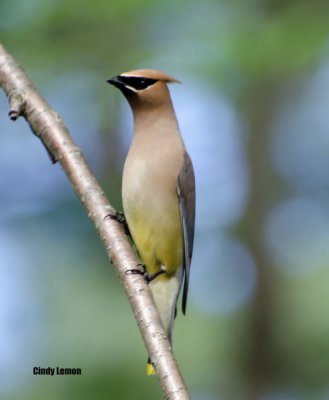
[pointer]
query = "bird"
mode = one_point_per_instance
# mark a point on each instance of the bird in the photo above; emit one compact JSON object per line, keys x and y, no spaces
{"x":158,"y":191}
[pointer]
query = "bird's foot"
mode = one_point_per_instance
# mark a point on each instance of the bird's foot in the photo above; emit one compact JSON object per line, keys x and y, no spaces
{"x":148,"y":277}
{"x":120,"y":217}
{"x":136,"y":271}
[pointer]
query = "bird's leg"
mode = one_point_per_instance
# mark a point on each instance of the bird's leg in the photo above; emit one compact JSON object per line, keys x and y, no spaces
{"x":120,"y":217}
{"x":148,"y":277}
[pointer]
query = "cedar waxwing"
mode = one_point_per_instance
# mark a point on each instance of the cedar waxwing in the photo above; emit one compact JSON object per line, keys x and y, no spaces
{"x":158,"y":191}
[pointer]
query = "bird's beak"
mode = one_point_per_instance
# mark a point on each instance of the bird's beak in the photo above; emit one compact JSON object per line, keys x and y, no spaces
{"x":116,"y":81}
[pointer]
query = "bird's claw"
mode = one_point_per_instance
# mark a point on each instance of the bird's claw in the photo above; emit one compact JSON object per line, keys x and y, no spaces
{"x":119,"y":217}
{"x":148,"y":277}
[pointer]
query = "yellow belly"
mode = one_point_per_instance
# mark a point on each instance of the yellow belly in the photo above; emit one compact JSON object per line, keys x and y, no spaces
{"x":157,"y":235}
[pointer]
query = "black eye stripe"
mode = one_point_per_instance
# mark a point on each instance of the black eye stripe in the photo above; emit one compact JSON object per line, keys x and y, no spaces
{"x":137,"y":82}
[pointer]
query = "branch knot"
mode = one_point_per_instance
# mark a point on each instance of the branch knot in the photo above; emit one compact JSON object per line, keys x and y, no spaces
{"x":17,"y":105}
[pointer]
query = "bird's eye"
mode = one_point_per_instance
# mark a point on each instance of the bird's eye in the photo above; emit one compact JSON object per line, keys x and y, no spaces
{"x":144,"y":83}
{"x":137,"y":82}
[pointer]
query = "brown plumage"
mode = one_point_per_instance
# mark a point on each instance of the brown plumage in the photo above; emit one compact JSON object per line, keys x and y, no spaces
{"x":158,"y":189}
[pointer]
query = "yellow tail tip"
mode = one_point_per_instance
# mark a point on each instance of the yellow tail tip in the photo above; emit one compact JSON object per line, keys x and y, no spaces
{"x":150,"y":369}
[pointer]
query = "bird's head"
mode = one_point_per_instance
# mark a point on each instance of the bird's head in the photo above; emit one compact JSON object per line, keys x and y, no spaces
{"x":144,"y":87}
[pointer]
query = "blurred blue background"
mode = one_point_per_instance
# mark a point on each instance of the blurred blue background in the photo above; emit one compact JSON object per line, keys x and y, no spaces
{"x":253,"y":110}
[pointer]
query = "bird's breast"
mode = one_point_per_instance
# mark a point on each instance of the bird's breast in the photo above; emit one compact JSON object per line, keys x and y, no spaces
{"x":151,"y":205}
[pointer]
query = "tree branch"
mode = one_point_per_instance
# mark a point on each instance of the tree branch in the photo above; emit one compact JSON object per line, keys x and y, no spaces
{"x":48,"y":126}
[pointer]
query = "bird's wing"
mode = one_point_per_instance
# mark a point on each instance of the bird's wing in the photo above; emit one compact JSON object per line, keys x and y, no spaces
{"x":186,"y":196}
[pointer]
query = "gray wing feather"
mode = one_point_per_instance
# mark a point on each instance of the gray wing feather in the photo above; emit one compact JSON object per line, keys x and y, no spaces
{"x":186,"y":196}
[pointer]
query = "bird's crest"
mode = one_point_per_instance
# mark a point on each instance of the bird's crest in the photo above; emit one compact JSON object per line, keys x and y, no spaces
{"x":150,"y":74}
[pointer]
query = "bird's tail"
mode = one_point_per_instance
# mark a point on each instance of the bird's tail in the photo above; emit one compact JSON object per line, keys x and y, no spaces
{"x":165,"y":290}
{"x":149,"y":368}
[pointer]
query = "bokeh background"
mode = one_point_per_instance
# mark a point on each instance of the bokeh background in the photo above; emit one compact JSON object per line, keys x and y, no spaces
{"x":254,"y":113}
